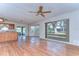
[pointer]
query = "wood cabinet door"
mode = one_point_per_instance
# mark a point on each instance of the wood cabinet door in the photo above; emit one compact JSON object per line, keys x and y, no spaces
{"x":11,"y":26}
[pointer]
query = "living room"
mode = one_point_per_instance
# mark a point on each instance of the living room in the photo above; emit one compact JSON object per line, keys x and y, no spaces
{"x":39,"y":29}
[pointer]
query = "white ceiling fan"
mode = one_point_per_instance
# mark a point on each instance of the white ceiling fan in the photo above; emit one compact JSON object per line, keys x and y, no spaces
{"x":40,"y":11}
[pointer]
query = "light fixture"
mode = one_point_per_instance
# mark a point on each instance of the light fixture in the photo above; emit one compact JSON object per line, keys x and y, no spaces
{"x":1,"y":20}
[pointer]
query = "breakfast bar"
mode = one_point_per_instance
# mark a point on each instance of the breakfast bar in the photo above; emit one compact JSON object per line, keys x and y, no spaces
{"x":8,"y":36}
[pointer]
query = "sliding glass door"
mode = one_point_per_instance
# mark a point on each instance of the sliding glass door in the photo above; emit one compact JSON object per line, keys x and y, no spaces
{"x":21,"y":30}
{"x":34,"y":30}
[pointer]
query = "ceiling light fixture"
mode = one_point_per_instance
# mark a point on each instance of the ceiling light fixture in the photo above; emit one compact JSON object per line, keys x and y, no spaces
{"x":1,"y":20}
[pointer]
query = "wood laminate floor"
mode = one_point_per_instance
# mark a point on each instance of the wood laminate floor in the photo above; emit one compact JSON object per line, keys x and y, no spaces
{"x":33,"y":46}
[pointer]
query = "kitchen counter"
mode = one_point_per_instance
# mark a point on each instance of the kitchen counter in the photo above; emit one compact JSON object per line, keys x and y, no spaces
{"x":8,"y":36}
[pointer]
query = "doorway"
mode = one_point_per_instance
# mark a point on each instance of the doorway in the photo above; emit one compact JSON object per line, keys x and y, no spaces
{"x":22,"y":33}
{"x":21,"y":30}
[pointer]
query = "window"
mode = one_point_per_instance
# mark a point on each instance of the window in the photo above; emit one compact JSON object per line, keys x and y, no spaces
{"x":57,"y":29}
{"x":34,"y":31}
{"x":34,"y":28}
{"x":50,"y":28}
{"x":4,"y":27}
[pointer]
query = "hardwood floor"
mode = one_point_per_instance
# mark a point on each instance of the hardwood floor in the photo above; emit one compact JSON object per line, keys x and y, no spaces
{"x":36,"y":47}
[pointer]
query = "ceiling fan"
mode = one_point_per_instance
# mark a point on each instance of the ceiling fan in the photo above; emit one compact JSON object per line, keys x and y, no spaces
{"x":40,"y":11}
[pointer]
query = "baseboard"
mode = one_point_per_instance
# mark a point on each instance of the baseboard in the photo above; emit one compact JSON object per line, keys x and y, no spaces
{"x":32,"y":36}
{"x":60,"y":41}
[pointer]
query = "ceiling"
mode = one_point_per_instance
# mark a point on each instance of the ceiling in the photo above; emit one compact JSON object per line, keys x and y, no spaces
{"x":19,"y":12}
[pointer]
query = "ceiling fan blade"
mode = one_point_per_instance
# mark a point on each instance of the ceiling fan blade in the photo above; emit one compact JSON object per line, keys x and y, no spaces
{"x":47,"y":12}
{"x":42,"y":15}
{"x":32,"y":12}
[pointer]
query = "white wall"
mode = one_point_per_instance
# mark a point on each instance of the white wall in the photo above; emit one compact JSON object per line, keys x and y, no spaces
{"x":73,"y":26}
